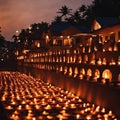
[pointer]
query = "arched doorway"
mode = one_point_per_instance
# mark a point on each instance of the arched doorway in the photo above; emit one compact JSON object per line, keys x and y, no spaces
{"x":96,"y":75}
{"x":89,"y":74}
{"x":70,"y":71}
{"x":106,"y":76}
{"x":75,"y":72}
{"x":65,"y":70}
{"x":82,"y":73}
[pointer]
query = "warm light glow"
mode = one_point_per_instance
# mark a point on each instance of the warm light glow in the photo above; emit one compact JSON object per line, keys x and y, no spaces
{"x":99,"y":62}
{"x":104,"y":61}
{"x":75,"y":72}
{"x":79,"y":59}
{"x":61,"y":36}
{"x":41,"y":100}
{"x":112,"y":62}
{"x":89,"y":73}
{"x":118,"y":60}
{"x":115,"y":48}
{"x":103,"y":110}
{"x":20,"y":58}
{"x":85,"y":59}
{"x":54,"y":42}
{"x":78,"y":116}
{"x":88,"y":117}
{"x":92,"y":60}
{"x":96,"y":75}
{"x":61,"y":69}
{"x":47,"y":37}
{"x":17,"y":31}
{"x":38,"y":45}
{"x":96,"y":25}
{"x":65,"y":70}
{"x":25,"y":51}
{"x":110,"y":49}
{"x":9,"y":107}
{"x":17,"y":52}
{"x":70,"y":71}
{"x":107,"y":75}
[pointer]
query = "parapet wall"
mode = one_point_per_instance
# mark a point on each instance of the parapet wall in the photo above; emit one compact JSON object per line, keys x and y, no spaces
{"x":97,"y":93}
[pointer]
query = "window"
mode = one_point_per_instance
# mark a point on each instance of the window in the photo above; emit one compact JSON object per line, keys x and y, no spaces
{"x":112,"y":37}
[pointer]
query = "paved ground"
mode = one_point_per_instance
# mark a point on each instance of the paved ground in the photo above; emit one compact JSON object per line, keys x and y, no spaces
{"x":23,"y":97}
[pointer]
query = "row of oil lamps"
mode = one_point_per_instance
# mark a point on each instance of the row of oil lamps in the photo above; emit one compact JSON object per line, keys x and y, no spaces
{"x":26,"y":98}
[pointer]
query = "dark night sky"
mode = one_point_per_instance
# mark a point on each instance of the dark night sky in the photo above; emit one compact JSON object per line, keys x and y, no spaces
{"x":19,"y":14}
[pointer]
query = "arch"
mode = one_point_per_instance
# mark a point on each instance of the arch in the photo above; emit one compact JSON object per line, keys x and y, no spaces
{"x":85,"y":58}
{"x":88,"y":74}
{"x":112,"y":61}
{"x":64,"y":59}
{"x":104,"y":62}
{"x":54,"y":59}
{"x":61,"y":59}
{"x":57,"y":68}
{"x":57,"y":59}
{"x":79,"y":59}
{"x":75,"y":71}
{"x":65,"y":69}
{"x":115,"y":47}
{"x":106,"y":76}
{"x":70,"y":71}
{"x":82,"y":73}
{"x":92,"y":59}
{"x":96,"y":75}
{"x":74,"y":58}
{"x":61,"y":68}
{"x":68,"y":59}
{"x":83,"y":49}
{"x":99,"y":62}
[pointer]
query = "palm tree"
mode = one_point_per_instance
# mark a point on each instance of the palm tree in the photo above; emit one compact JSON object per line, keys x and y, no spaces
{"x":15,"y":41}
{"x":82,"y":11}
{"x":64,"y":11}
{"x":57,"y":19}
{"x":89,"y":15}
{"x":76,"y":16}
{"x":2,"y":41}
{"x":82,"y":8}
{"x":38,"y":30}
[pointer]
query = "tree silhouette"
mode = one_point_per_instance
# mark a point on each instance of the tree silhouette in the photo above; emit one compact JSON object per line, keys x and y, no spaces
{"x":37,"y":30}
{"x":27,"y":36}
{"x":2,"y":41}
{"x":15,"y":41}
{"x":102,"y":8}
{"x":82,"y":8}
{"x":106,"y":8}
{"x":84,"y":16}
{"x":57,"y":19}
{"x":64,"y":10}
{"x":6,"y":50}
{"x":75,"y":18}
